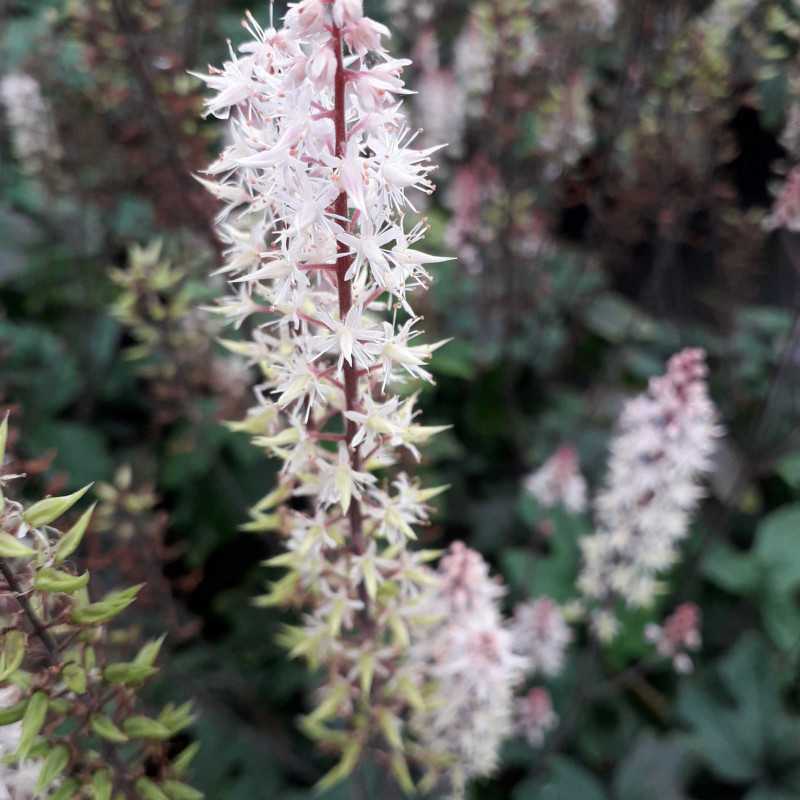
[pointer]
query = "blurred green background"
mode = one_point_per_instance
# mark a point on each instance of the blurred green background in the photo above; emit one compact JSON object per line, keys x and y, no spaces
{"x":609,"y":190}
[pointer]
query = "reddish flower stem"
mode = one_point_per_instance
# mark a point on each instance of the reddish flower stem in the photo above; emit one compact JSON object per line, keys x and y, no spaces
{"x":344,"y":286}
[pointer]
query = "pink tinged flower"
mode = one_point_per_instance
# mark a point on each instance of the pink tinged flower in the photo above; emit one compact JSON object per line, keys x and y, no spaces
{"x":678,"y":636}
{"x":535,"y":716}
{"x":541,"y":635}
{"x":364,"y":35}
{"x":559,"y":481}
{"x":663,"y":448}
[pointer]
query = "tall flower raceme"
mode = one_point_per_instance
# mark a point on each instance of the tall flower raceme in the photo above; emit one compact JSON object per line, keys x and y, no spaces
{"x":324,"y":264}
{"x":663,"y":448}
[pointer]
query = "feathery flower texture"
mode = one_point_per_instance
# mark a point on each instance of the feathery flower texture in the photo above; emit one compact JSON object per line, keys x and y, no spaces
{"x":559,"y":481}
{"x":471,"y":653}
{"x":664,"y":446}
{"x":316,"y":182}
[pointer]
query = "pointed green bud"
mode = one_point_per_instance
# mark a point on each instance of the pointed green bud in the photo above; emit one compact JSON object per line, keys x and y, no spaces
{"x":390,"y":727}
{"x":75,"y":678}
{"x":112,"y":604}
{"x":51,"y":508}
{"x":147,"y":790}
{"x":67,"y":791}
{"x":3,"y":437}
{"x":11,"y":714}
{"x":32,"y":723}
{"x":149,"y":653}
{"x":141,"y":727}
{"x":11,"y":547}
{"x":55,"y":580}
{"x":401,"y":773}
{"x":181,"y":764}
{"x":69,"y":542}
{"x":180,"y":791}
{"x":128,"y":673}
{"x":12,"y":653}
{"x":55,"y":763}
{"x":345,"y":766}
{"x":101,"y":785}
{"x":105,"y":728}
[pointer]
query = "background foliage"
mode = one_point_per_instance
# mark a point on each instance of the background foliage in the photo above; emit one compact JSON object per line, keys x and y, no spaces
{"x":654,"y":240}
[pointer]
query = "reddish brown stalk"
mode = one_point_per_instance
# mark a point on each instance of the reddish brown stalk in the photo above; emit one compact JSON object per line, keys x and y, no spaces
{"x":344,"y":286}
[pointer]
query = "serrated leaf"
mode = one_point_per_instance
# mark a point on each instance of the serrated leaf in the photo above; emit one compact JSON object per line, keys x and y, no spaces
{"x":70,"y":541}
{"x":51,"y":508}
{"x":11,"y":547}
{"x":55,"y":763}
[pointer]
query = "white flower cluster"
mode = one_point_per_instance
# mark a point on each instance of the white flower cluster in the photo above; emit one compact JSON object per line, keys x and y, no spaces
{"x":663,"y":447}
{"x":541,"y":635}
{"x":559,"y":481}
{"x":30,"y":121}
{"x":535,"y":716}
{"x":324,"y":264}
{"x":469,"y":654}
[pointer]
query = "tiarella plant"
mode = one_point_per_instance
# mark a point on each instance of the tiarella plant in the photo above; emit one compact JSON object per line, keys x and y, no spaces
{"x":70,"y":718}
{"x":317,"y":183}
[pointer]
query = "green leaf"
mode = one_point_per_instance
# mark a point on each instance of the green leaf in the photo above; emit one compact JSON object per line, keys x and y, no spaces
{"x":653,"y":761}
{"x":32,"y":723}
{"x":55,"y":763}
{"x":346,"y":765}
{"x":731,"y":570}
{"x":148,"y":790}
{"x":12,"y":654}
{"x":54,"y":580}
{"x":184,"y":759}
{"x":12,"y":714}
{"x":105,"y":728}
{"x":109,"y":607}
{"x":101,"y":785}
{"x":3,"y":437}
{"x":70,"y":541}
{"x":566,"y":780}
{"x":11,"y":547}
{"x":75,"y":678}
{"x":738,"y":738}
{"x":128,"y":673}
{"x":141,"y":727}
{"x":51,"y":508}
{"x":180,"y":791}
{"x":149,"y":653}
{"x":67,"y":791}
